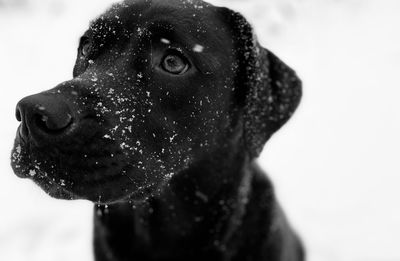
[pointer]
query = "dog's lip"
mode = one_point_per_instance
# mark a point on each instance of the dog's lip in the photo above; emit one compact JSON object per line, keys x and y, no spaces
{"x":67,"y":184}
{"x":100,"y":191}
{"x":25,"y":166}
{"x":89,"y":175}
{"x":98,"y":181}
{"x":53,"y":188}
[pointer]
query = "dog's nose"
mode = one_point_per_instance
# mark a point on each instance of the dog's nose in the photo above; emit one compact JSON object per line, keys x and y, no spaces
{"x":42,"y":117}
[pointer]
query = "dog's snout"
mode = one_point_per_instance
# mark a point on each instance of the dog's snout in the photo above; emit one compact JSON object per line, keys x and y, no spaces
{"x":43,"y":117}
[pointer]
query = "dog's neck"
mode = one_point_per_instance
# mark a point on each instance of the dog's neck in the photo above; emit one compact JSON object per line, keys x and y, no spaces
{"x":205,"y":201}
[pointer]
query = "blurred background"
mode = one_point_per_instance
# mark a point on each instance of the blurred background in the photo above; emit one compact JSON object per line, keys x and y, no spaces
{"x":335,"y":165}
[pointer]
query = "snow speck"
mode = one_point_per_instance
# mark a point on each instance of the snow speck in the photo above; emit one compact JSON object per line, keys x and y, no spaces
{"x":169,"y":175}
{"x":201,"y":196}
{"x":198,"y":48}
{"x":172,"y":137}
{"x":18,"y":149}
{"x":165,"y":41}
{"x":32,"y":172}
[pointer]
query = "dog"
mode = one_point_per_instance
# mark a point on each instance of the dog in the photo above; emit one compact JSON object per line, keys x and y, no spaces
{"x":169,"y":106}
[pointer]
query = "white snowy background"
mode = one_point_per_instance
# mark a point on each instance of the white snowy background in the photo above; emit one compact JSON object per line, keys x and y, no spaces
{"x":335,"y":165}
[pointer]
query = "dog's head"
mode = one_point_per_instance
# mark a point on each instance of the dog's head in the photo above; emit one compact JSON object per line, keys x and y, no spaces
{"x":157,"y":86}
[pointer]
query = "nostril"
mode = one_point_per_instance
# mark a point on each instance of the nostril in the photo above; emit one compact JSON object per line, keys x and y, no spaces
{"x":18,"y":114}
{"x":40,"y":122}
{"x":23,"y":129}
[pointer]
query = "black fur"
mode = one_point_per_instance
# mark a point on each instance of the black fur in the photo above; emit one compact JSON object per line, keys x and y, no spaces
{"x":170,"y":104}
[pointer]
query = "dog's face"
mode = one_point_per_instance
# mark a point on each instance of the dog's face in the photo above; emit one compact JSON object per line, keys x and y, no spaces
{"x":156,"y":88}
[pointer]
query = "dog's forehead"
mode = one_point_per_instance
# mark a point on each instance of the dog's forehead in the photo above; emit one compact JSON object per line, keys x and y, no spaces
{"x":191,"y":17}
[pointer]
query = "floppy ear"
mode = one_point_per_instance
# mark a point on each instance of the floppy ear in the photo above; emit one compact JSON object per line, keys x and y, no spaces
{"x":268,"y":89}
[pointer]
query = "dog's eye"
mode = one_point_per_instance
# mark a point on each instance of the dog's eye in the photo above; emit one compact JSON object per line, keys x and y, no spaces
{"x":86,"y":47}
{"x":175,"y":64}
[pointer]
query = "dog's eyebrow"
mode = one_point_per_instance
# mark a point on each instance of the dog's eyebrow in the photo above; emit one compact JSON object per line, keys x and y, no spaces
{"x":171,"y":33}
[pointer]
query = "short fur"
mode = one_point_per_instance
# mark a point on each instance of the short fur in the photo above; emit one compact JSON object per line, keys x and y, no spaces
{"x":168,"y":159}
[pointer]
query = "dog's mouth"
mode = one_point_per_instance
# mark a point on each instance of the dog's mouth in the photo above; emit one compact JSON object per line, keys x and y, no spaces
{"x":97,"y":171}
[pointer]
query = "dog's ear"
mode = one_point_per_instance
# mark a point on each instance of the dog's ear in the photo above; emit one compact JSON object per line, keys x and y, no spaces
{"x":268,"y":90}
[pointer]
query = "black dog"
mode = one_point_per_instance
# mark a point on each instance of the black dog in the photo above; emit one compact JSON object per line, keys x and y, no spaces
{"x":170,"y":104}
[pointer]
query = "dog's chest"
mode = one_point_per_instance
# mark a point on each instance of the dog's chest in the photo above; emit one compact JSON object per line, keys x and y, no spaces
{"x":169,"y":236}
{"x":158,"y":241}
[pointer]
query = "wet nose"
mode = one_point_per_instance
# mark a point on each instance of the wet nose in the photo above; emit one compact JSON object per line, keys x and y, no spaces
{"x":43,"y":117}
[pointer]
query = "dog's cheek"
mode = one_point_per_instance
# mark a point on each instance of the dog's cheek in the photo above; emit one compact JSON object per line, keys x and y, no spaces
{"x":147,"y":134}
{"x":213,"y":105}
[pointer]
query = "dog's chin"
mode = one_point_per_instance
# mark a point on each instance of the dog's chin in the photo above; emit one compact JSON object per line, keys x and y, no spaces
{"x":119,"y":188}
{"x":97,"y":193}
{"x":102,"y":185}
{"x":55,"y":190}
